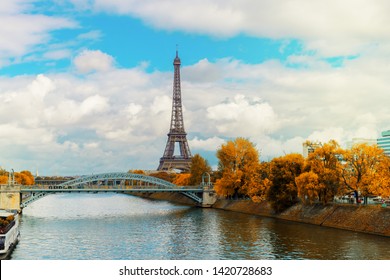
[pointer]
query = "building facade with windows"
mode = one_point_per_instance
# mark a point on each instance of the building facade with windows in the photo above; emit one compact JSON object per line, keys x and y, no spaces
{"x":384,"y":142}
{"x":367,"y":141}
{"x":309,"y":147}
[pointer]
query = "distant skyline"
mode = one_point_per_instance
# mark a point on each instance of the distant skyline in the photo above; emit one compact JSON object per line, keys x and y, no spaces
{"x":86,"y":85}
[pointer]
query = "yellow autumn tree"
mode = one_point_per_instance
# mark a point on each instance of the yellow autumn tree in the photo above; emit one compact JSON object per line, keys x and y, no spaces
{"x":364,"y":166}
{"x":24,"y":178}
{"x":3,"y":179}
{"x":170,"y":177}
{"x":239,"y":168}
{"x":308,"y":186}
{"x":283,"y":189}
{"x":137,"y":171}
{"x":28,"y":177}
{"x":3,"y":176}
{"x":182,"y":179}
{"x":325,"y":163}
{"x":261,"y":183}
{"x":199,"y":166}
{"x":380,"y":185}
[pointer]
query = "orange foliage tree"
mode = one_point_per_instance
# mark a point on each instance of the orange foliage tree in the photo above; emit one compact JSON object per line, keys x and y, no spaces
{"x":3,"y":176}
{"x":323,"y":168}
{"x":198,"y":167}
{"x":239,"y":168}
{"x":283,"y":189}
{"x":363,"y":170}
{"x":182,"y":179}
{"x":24,"y":177}
{"x":259,"y":189}
{"x":309,"y":187}
{"x":164,"y":176}
{"x":137,"y":171}
{"x":380,"y":183}
{"x":3,"y":179}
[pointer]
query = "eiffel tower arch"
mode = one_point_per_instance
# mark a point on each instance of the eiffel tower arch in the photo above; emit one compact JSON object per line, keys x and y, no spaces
{"x":177,"y":134}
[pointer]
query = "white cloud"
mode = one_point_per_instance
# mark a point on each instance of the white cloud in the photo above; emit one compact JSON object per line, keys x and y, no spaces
{"x":58,"y":54}
{"x":243,"y":117}
{"x":91,"y":145}
{"x":94,"y":35}
{"x":21,"y":31}
{"x":118,"y":119}
{"x":203,"y":71}
{"x":161,"y":104}
{"x":332,"y":28}
{"x":209,"y":144}
{"x":94,"y":104}
{"x":332,"y":133}
{"x":270,"y":147}
{"x":13,"y":7}
{"x":89,"y":61}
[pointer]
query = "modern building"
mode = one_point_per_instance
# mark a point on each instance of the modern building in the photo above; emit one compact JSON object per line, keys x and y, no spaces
{"x":370,"y":142}
{"x":384,"y":142}
{"x":309,"y":147}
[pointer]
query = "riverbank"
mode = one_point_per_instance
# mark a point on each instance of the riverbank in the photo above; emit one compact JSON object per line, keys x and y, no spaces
{"x":367,"y":219}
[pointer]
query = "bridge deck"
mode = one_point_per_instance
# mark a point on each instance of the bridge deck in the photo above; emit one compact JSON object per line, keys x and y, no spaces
{"x":111,"y":190}
{"x":119,"y":182}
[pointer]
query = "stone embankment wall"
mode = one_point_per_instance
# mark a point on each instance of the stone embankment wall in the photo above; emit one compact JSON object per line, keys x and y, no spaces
{"x":367,"y":219}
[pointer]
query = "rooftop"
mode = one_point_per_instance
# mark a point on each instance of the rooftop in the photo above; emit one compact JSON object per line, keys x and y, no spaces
{"x":386,"y":133}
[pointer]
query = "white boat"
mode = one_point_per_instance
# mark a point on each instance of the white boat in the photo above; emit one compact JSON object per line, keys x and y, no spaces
{"x":9,"y":232}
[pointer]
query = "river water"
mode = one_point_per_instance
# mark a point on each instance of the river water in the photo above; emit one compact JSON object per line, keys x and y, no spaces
{"x":118,"y":226}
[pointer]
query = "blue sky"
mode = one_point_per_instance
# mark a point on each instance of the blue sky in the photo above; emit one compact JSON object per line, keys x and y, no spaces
{"x":131,"y":43}
{"x":86,"y":85}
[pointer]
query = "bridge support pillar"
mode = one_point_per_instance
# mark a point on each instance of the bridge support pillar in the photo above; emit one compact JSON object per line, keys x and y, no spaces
{"x":10,"y":197}
{"x":209,"y":198}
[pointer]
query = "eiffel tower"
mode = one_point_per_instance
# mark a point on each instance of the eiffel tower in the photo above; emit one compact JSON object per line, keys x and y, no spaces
{"x":176,"y":133}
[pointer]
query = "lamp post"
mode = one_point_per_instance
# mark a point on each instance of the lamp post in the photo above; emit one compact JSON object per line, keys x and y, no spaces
{"x":204,"y":184}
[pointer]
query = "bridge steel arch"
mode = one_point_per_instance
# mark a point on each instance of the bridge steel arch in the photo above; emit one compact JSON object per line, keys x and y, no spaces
{"x":119,"y":176}
{"x":150,"y":184}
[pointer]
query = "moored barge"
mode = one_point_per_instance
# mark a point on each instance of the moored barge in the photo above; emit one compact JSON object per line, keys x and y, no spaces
{"x":9,"y":232}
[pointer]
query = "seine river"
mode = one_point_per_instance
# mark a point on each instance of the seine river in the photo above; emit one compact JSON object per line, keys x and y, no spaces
{"x":118,"y":226}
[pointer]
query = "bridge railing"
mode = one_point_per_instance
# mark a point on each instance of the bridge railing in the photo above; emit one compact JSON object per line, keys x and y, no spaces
{"x":115,"y":182}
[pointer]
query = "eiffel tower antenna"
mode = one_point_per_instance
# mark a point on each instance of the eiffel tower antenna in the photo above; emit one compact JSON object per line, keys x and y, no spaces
{"x":176,"y":133}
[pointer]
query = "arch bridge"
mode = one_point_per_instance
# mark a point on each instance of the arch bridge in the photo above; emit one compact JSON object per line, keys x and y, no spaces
{"x":118,"y":182}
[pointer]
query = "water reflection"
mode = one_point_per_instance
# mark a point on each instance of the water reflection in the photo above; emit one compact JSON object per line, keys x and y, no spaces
{"x":114,"y":226}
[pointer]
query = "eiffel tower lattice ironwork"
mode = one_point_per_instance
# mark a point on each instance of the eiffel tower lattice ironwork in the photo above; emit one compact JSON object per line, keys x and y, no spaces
{"x":176,"y":133}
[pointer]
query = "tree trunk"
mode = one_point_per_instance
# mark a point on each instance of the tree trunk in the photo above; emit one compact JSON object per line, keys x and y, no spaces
{"x":355,"y":193}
